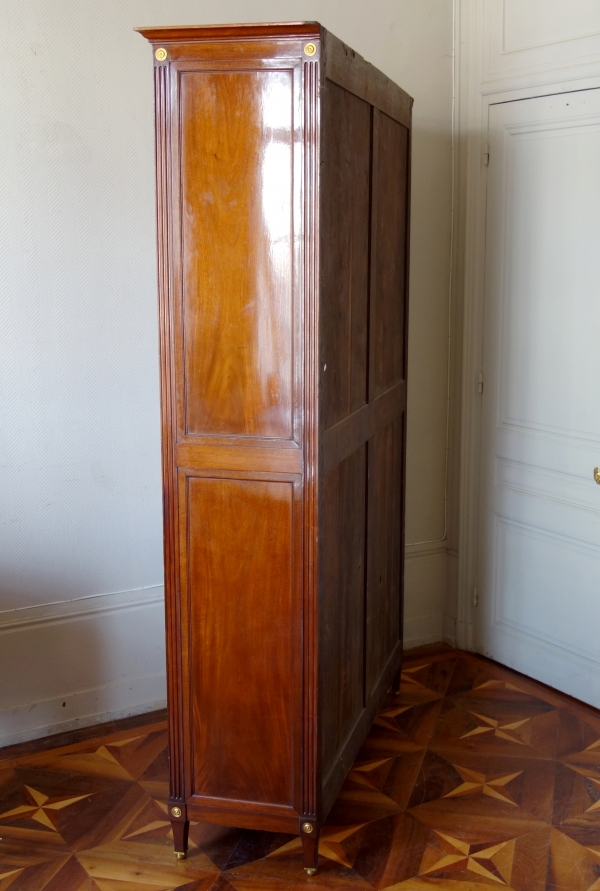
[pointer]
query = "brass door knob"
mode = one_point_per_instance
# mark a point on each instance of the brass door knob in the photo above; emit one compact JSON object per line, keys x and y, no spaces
{"x":597,"y":474}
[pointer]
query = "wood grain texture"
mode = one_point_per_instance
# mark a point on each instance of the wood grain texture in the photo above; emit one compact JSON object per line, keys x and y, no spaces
{"x":345,"y":217}
{"x":345,"y":67}
{"x":192,"y":33}
{"x":311,"y":792}
{"x":342,"y":619}
{"x":389,"y":253}
{"x":211,"y":457}
{"x":472,"y":777}
{"x":244,"y":638}
{"x":168,"y":389}
{"x":364,"y":304}
{"x":236,"y":149}
{"x":253,"y":815}
{"x":384,"y":562}
{"x":283,"y":188}
{"x":336,"y":772}
{"x":352,"y":431}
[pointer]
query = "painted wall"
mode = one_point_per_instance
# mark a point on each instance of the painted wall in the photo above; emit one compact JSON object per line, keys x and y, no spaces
{"x":81,"y":627}
{"x":506,"y":50}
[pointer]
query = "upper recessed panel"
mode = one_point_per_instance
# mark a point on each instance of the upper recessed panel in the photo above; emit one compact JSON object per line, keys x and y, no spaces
{"x":236,"y":191}
{"x":346,"y":172}
{"x":388,"y":255}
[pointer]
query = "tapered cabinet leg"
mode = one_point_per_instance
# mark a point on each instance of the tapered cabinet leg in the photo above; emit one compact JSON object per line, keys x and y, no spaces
{"x":310,"y":846}
{"x":181,"y":829}
{"x":397,"y":681}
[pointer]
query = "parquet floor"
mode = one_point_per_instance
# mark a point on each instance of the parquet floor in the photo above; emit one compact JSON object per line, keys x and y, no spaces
{"x":471,"y":778}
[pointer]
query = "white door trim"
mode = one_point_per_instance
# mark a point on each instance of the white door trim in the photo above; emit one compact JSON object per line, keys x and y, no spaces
{"x":479,"y":84}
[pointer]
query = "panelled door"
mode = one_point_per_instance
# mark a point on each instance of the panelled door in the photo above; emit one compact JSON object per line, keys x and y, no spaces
{"x":539,"y":557}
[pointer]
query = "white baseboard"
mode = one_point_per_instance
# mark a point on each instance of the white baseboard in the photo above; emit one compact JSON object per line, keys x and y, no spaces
{"x":419,"y":630}
{"x":424,"y":593}
{"x":132,"y":697}
{"x":80,"y":662}
{"x":449,"y":630}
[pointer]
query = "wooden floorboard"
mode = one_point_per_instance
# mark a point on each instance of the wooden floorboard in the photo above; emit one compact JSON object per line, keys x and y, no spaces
{"x":472,"y":777}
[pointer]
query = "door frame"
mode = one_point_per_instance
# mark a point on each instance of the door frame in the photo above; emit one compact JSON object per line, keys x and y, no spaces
{"x":483,"y":76}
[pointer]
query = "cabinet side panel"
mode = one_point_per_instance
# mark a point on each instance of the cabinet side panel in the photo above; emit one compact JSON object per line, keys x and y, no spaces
{"x":384,"y":569}
{"x":244,"y":638}
{"x":389,"y":255}
{"x":236,"y":217}
{"x":343,"y":603}
{"x":346,"y":163}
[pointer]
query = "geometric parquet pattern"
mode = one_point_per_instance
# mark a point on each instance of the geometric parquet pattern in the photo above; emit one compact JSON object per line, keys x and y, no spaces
{"x":472,"y":778}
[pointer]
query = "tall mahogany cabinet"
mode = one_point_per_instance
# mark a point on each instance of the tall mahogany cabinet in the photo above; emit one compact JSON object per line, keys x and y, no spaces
{"x":283,"y":170}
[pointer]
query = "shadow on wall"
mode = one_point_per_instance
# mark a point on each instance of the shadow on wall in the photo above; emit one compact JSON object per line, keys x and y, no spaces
{"x":430,"y":612}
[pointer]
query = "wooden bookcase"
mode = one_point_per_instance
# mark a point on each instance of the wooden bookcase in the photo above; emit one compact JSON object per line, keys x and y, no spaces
{"x":283,"y":176}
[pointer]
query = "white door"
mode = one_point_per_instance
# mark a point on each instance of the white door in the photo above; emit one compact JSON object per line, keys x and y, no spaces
{"x":539,"y":556}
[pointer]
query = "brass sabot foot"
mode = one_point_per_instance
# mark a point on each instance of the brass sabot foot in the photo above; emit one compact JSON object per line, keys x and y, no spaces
{"x":180,"y":855}
{"x":310,"y":871}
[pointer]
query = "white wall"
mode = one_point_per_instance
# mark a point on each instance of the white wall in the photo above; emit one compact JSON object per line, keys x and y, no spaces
{"x":81,"y":633}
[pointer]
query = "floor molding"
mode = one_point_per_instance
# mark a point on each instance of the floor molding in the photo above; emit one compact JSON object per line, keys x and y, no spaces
{"x":82,"y":733}
{"x":74,"y":663}
{"x":419,"y":630}
{"x":424,"y":549}
{"x":132,"y":696}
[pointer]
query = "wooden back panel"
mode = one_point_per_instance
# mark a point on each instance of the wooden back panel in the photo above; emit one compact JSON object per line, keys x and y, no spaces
{"x":364,"y":265}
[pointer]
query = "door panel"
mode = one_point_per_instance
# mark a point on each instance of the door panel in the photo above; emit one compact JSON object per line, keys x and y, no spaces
{"x":244,"y":637}
{"x":540,"y":509}
{"x":236,"y":150}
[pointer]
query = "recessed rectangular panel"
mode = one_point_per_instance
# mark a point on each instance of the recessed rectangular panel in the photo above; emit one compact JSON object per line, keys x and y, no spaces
{"x":342,"y":606}
{"x":236,"y":217}
{"x":531,"y":596}
{"x":384,"y":565}
{"x":557,"y":516}
{"x":552,"y":268}
{"x":244,"y":638}
{"x":544,"y":22}
{"x":388,"y":257}
{"x":346,"y":173}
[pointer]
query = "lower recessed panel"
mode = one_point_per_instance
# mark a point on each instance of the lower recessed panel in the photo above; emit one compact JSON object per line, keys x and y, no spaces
{"x":244,"y":638}
{"x":342,"y":603}
{"x":384,"y":562}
